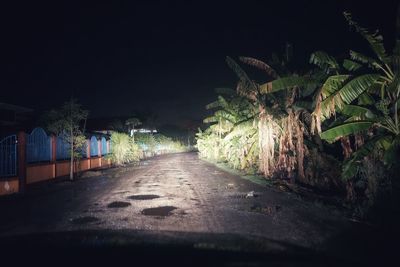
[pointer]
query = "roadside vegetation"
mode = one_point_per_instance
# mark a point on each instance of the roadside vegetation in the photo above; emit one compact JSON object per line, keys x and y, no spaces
{"x":66,"y":122}
{"x":127,"y":148}
{"x":333,"y":127}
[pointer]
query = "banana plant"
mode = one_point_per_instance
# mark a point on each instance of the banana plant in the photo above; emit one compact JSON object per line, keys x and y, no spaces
{"x":231,"y":136}
{"x":280,"y":131}
{"x":368,"y":97}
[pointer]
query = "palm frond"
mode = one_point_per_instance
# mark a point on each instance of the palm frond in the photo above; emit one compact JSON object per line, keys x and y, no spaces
{"x":260,"y":65}
{"x":375,"y":40}
{"x":246,"y":83}
{"x":335,"y":96}
{"x":365,"y":99}
{"x":324,"y":61}
{"x":357,"y":111}
{"x":213,"y":105}
{"x":351,"y":165}
{"x":351,"y":65}
{"x":285,"y":83}
{"x":354,"y":88}
{"x":345,"y":129}
{"x":371,"y":63}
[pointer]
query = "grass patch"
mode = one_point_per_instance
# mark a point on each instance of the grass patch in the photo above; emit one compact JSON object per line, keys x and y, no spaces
{"x":257,"y":179}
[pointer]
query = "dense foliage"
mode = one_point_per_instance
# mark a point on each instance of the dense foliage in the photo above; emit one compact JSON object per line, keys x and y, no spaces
{"x":66,"y":122}
{"x":124,"y":149}
{"x":128,"y":149}
{"x":290,"y":126}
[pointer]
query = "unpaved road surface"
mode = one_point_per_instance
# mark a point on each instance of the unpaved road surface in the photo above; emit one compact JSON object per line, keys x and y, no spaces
{"x":179,"y":196}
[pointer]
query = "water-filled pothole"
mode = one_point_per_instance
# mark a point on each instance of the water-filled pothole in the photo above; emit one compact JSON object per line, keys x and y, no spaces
{"x":84,"y":220}
{"x":143,"y":197}
{"x":159,"y":211}
{"x":118,"y":204}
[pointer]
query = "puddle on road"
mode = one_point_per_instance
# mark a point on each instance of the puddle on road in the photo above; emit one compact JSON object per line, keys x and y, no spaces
{"x":84,"y":220}
{"x":118,"y":204}
{"x":162,"y":211}
{"x":143,"y":197}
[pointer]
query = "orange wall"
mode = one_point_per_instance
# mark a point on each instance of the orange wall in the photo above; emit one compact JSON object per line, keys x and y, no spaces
{"x":105,"y":162}
{"x":41,"y":172}
{"x":62,"y":168}
{"x":9,"y":186}
{"x":95,"y":162}
{"x":37,"y":173}
{"x":84,"y":165}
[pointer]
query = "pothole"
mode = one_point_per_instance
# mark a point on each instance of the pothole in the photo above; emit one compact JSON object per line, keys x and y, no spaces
{"x":143,"y":197}
{"x":118,"y":204}
{"x":162,"y":211}
{"x":245,"y":195}
{"x":84,"y":220}
{"x":269,"y":210}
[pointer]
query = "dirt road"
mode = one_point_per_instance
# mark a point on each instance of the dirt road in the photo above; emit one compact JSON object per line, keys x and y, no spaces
{"x":176,"y":194}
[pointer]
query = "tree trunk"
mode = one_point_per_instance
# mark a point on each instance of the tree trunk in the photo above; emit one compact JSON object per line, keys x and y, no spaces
{"x":71,"y":167}
{"x":347,"y":151}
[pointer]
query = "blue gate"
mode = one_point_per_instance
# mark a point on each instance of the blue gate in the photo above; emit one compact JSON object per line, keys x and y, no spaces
{"x":94,"y":148}
{"x":63,"y":150}
{"x":103,"y":146}
{"x":38,"y":146}
{"x":8,"y":156}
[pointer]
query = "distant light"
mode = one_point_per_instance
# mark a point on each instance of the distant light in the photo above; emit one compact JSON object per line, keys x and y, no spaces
{"x":144,"y":131}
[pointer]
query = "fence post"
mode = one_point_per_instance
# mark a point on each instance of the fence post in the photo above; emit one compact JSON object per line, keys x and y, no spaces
{"x":53,"y":145}
{"x":21,"y":145}
{"x":88,"y":153}
{"x":99,"y":151}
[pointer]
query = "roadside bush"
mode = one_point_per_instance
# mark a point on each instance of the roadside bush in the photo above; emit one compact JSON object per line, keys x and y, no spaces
{"x":165,"y":145}
{"x":158,"y":144}
{"x":124,"y":150}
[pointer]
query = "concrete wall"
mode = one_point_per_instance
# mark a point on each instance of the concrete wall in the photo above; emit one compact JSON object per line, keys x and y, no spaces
{"x":62,"y":168}
{"x":47,"y":171}
{"x":95,"y":162}
{"x":9,"y":186}
{"x":37,"y":172}
{"x":84,"y":165}
{"x":105,"y":162}
{"x":40,"y":172}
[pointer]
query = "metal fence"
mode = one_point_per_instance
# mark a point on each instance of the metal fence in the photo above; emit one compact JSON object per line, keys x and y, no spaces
{"x":38,"y":146}
{"x":8,"y":156}
{"x":39,"y":149}
{"x":103,"y":146}
{"x":62,"y":148}
{"x":94,"y":149}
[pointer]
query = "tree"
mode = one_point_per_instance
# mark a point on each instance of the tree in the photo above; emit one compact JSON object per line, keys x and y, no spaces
{"x":118,"y":126}
{"x":369,"y":100}
{"x":132,"y":123}
{"x":66,"y":122}
{"x":277,"y":117}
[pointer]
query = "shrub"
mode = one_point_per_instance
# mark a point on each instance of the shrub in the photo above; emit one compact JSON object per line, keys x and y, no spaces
{"x":124,"y":150}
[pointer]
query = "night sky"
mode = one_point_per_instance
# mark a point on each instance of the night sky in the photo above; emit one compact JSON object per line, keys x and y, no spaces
{"x":165,"y":58}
